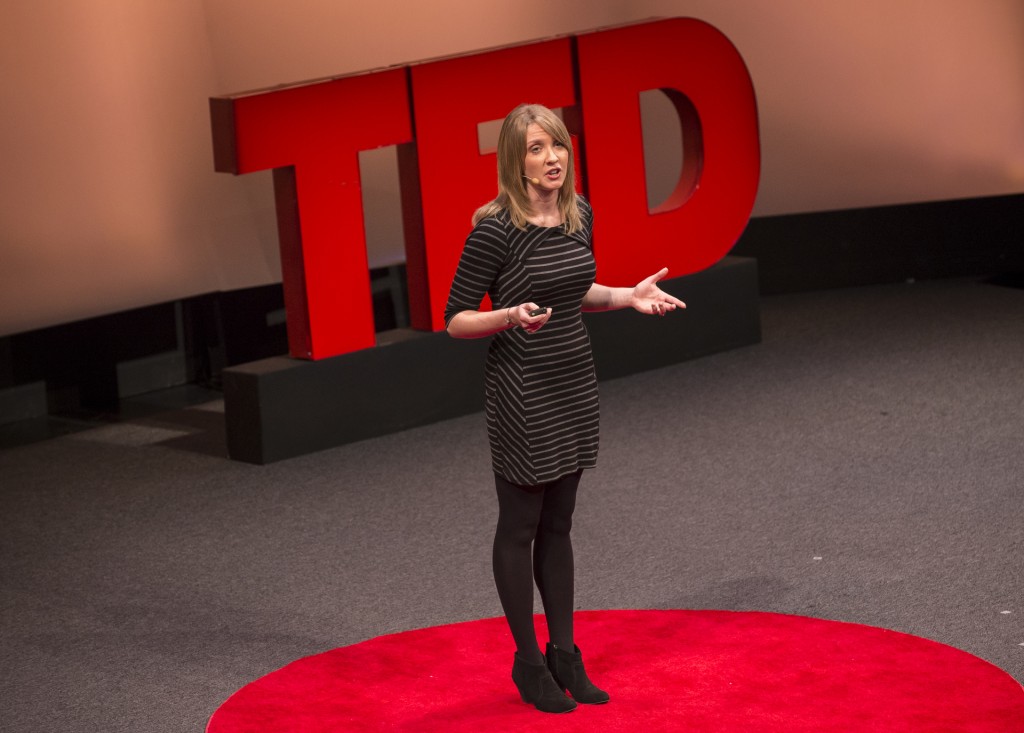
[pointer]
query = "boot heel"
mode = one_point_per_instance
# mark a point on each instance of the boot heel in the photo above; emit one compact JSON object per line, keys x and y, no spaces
{"x":537,"y":687}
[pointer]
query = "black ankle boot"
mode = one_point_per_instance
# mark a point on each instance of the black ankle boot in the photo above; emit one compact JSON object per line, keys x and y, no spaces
{"x":538,"y":687}
{"x":567,"y":669}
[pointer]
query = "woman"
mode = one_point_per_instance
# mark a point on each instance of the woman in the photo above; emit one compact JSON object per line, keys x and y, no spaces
{"x":530,"y":251}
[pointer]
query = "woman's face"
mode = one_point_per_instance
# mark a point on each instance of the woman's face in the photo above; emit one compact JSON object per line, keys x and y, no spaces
{"x":546,"y":159}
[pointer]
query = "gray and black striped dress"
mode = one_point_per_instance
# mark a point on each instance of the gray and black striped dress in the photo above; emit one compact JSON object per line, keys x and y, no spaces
{"x":541,"y":390}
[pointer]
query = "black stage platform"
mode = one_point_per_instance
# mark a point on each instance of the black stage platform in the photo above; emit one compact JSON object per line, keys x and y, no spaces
{"x":281,"y":407}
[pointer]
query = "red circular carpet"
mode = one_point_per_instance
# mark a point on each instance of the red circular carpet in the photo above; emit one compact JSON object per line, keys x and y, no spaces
{"x":666,"y":671}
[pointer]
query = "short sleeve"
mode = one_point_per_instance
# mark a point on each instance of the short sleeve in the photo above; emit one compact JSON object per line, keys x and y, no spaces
{"x":482,"y":259}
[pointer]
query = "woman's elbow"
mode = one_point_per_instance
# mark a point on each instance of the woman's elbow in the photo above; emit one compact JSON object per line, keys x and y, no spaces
{"x":454,"y":327}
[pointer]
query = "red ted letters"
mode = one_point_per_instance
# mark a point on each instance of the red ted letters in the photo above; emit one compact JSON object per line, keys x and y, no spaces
{"x":310,"y":136}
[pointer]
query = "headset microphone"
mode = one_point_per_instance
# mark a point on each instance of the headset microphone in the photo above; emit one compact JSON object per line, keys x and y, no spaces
{"x":534,"y":181}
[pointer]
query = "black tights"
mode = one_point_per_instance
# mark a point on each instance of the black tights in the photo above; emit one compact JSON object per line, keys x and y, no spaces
{"x":541,"y":516}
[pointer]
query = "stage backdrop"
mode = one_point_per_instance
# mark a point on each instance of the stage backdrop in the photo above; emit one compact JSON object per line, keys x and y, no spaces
{"x":110,"y":201}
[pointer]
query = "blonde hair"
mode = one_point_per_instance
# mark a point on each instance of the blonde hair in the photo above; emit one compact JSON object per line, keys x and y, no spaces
{"x":512,"y":192}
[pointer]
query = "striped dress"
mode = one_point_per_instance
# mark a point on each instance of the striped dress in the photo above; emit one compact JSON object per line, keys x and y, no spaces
{"x":541,"y":391}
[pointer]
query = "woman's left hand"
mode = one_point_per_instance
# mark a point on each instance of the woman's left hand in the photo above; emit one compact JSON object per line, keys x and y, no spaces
{"x":649,"y":298}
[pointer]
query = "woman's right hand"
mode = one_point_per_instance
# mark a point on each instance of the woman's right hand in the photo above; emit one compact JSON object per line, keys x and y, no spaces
{"x":519,"y":316}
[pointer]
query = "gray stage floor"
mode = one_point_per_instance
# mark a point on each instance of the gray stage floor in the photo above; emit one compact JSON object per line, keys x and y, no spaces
{"x":862,"y":464}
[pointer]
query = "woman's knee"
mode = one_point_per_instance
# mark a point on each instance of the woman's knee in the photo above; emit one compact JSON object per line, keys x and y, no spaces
{"x":555,"y":523}
{"x":517,"y":530}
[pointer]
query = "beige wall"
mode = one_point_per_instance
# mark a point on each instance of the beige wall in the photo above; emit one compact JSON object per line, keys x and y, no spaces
{"x":108,"y":199}
{"x":879,"y":101}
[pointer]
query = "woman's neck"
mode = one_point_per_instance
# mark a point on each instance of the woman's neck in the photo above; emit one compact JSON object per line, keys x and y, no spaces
{"x":544,"y":209}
